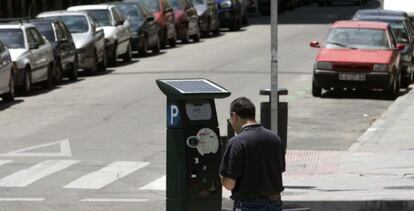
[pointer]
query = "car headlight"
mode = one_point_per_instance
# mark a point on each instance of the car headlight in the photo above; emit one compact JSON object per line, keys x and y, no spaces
{"x":324,"y":66}
{"x":380,"y":68}
{"x":225,"y":4}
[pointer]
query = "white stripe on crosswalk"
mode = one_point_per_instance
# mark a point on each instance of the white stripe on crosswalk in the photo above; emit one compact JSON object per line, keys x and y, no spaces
{"x":158,"y":184}
{"x":21,"y":199}
{"x":2,"y":162}
{"x":114,"y":200}
{"x":106,"y":175}
{"x":26,"y":177}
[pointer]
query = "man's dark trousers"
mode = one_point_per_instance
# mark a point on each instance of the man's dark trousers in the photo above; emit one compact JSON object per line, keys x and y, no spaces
{"x":257,"y":205}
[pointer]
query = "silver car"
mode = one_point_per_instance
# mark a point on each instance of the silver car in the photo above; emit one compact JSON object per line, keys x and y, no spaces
{"x":117,"y":30}
{"x":31,"y":53}
{"x":6,"y":74}
{"x":88,"y":37}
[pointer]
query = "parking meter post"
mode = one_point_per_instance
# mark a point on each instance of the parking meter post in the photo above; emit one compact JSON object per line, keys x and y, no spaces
{"x":274,"y":97}
{"x":193,"y":144}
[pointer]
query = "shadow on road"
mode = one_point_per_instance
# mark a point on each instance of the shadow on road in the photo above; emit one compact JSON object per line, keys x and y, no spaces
{"x":361,"y":94}
{"x":4,"y":106}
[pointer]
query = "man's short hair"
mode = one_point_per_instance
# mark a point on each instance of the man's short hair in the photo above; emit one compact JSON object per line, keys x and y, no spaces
{"x":243,"y":107}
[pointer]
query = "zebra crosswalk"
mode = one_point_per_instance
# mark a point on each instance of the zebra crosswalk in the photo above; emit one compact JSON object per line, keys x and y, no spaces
{"x":94,"y":180}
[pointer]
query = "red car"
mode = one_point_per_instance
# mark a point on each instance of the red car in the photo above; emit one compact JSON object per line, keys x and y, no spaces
{"x":360,"y":55}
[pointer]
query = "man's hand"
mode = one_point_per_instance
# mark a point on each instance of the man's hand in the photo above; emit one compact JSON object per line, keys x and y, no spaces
{"x":228,"y":183}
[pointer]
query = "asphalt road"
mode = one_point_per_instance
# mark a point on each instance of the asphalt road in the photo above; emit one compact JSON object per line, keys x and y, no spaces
{"x":92,"y":144}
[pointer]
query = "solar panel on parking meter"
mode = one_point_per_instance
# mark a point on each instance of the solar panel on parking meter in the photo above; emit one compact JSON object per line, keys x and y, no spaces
{"x":193,"y":146}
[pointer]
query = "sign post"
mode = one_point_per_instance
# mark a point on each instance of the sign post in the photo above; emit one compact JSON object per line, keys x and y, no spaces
{"x":274,"y":97}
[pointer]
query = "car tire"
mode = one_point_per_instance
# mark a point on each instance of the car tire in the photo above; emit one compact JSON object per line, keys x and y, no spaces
{"x":73,"y":74}
{"x":406,"y":80}
{"x":49,"y":81}
{"x":316,"y":90}
{"x":128,"y":55}
{"x":143,"y":52}
{"x":186,"y":37}
{"x":58,"y":73}
{"x":27,"y":82}
{"x":103,"y":64}
{"x":113,"y":58}
{"x":157,"y":47}
{"x":196,"y":37}
{"x":94,"y":69}
{"x":9,"y":96}
{"x":173,"y":42}
{"x":393,"y":91}
{"x":216,"y":31}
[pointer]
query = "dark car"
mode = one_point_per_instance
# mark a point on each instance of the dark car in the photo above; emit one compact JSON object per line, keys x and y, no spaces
{"x":404,"y":32}
{"x":64,"y":49}
{"x":164,"y":15}
{"x":145,"y":29}
{"x":330,"y":2}
{"x":378,"y":12}
{"x":232,"y":13}
{"x":186,"y":20}
{"x":358,"y":55}
{"x":208,"y":17}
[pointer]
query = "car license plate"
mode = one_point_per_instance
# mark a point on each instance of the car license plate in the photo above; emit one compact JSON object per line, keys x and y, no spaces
{"x":351,"y":77}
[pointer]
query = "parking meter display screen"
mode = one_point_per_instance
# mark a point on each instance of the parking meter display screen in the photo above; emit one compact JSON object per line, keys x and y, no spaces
{"x":195,"y":86}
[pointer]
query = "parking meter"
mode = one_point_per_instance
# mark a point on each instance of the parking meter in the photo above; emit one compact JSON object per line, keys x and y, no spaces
{"x":193,"y":145}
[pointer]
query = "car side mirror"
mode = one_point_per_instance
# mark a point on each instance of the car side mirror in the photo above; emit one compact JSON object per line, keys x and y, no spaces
{"x":33,"y":46}
{"x":150,"y":19}
{"x":400,"y":47}
{"x":314,"y":44}
{"x":118,"y":23}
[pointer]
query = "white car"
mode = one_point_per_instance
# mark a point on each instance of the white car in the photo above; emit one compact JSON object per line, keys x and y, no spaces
{"x":31,"y":53}
{"x":117,"y":31}
{"x":6,"y":75}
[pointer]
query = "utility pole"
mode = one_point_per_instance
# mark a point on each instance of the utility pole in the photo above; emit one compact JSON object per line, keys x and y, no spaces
{"x":274,"y":96}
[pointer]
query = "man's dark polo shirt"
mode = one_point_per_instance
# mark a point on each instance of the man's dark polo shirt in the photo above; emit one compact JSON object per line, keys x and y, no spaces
{"x":255,"y":158}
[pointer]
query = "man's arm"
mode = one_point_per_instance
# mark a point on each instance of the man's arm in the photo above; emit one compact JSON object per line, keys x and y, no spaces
{"x":228,"y":183}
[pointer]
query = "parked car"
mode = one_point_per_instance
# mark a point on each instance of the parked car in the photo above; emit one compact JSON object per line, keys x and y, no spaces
{"x":64,"y":50}
{"x":402,"y":28}
{"x":378,"y":12}
{"x":330,"y":2}
{"x":358,"y":54}
{"x":6,"y":75}
{"x":32,"y":55}
{"x":88,"y":37}
{"x":116,"y":29}
{"x":232,"y":13}
{"x":145,"y":29}
{"x":164,"y":15}
{"x":400,"y":5}
{"x":186,"y":20}
{"x":208,"y":17}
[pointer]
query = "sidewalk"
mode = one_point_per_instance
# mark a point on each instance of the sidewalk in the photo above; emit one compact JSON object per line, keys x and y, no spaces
{"x":376,"y":173}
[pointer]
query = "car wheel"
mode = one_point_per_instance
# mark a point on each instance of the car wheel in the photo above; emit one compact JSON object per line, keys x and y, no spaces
{"x":173,"y":42}
{"x":9,"y":96}
{"x":406,"y":80}
{"x":186,"y":37}
{"x":143,"y":52}
{"x":245,"y":20}
{"x":316,"y":90}
{"x":128,"y":55}
{"x":73,"y":74}
{"x":27,"y":82}
{"x":94,"y":69}
{"x":103,"y":64}
{"x":113,"y":58}
{"x":49,"y":81}
{"x":58,"y":73}
{"x":216,"y":31}
{"x":156,"y":49}
{"x":393,"y":91}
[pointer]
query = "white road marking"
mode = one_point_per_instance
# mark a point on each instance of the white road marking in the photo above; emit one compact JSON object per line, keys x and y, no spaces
{"x":106,"y":175}
{"x":21,"y":199}
{"x":114,"y":200}
{"x":158,"y":184}
{"x":3,"y":162}
{"x":25,"y":152}
{"x":26,"y":177}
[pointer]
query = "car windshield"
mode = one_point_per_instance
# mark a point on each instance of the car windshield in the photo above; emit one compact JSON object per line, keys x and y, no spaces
{"x":197,"y":1}
{"x":357,"y":38}
{"x":46,"y":30}
{"x":153,"y":5}
{"x":102,"y":17}
{"x":12,"y":38}
{"x":75,"y":23}
{"x":129,"y":11}
{"x":176,"y":4}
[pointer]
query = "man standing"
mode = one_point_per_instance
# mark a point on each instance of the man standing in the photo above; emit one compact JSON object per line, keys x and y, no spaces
{"x":253,"y":162}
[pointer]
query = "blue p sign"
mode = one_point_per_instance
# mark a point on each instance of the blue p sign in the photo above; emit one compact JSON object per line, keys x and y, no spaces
{"x":173,"y":115}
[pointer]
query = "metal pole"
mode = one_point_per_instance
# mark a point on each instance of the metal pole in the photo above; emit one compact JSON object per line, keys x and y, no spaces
{"x":274,"y":98}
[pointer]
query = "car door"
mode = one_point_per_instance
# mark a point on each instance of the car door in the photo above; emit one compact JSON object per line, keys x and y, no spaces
{"x":41,"y":54}
{"x":123,"y":30}
{"x":4,"y":67}
{"x":70,"y":44}
{"x":63,"y":45}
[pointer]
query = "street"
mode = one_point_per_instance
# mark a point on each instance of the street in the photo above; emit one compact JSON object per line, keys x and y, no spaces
{"x":95,"y":143}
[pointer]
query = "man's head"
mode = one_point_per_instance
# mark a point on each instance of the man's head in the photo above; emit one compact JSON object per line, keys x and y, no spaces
{"x":242,"y":111}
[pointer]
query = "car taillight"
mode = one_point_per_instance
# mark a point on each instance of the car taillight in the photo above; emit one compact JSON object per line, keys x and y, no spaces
{"x":380,"y":68}
{"x":324,"y":65}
